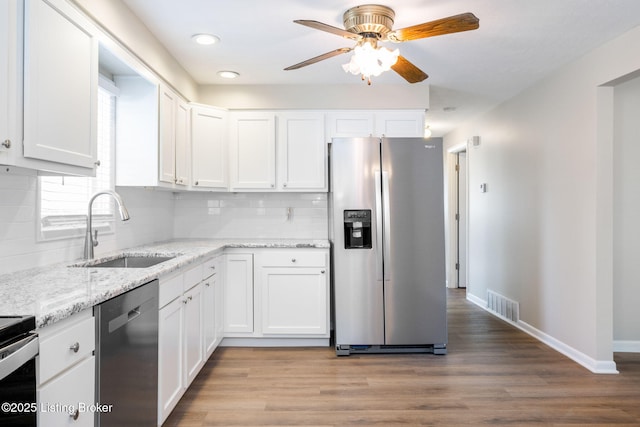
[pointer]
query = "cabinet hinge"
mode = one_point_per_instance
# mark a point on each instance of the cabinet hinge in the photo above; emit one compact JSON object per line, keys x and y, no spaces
{"x":457,"y":168}
{"x":457,"y":266}
{"x":457,"y":217}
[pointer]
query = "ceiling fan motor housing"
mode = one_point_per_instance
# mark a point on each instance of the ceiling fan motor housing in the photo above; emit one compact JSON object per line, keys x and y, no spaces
{"x":369,"y":18}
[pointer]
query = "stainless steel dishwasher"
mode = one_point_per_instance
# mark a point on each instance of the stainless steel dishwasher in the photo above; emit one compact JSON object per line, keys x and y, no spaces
{"x":127,"y":358}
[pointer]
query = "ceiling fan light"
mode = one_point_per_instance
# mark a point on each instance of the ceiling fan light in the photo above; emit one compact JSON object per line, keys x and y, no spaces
{"x":228,"y":74}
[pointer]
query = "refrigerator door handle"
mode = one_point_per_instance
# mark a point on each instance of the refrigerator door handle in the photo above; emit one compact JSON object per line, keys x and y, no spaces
{"x":379,"y":240}
{"x":386,"y":215}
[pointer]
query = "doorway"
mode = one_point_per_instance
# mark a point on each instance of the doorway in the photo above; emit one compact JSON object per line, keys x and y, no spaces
{"x":457,"y":217}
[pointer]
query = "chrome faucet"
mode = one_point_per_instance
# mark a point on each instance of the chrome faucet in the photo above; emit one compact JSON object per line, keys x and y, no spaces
{"x":91,"y":239}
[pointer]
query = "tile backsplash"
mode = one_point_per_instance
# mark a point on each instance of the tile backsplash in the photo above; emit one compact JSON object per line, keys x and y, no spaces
{"x":156,"y":216}
{"x":251,"y":215}
{"x":151,"y":220}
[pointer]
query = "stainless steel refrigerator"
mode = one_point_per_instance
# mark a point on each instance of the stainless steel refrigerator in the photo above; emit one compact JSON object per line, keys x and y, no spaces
{"x":387,"y":233}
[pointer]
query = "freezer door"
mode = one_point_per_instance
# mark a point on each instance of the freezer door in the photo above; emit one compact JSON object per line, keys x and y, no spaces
{"x":358,"y":298}
{"x":414,"y":263}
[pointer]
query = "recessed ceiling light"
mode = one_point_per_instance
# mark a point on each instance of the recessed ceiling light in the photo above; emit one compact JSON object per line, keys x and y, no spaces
{"x":228,"y":74}
{"x":205,"y":39}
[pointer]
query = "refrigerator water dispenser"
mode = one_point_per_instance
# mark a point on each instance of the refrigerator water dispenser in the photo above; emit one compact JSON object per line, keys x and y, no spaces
{"x":357,"y":229}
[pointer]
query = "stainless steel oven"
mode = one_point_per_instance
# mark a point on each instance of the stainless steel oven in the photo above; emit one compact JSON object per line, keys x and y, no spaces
{"x":18,"y":351}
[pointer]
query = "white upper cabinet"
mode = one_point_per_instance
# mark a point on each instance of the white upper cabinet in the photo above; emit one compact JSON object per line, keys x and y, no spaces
{"x":406,"y":123}
{"x":60,"y":84}
{"x":209,"y":148}
{"x":174,"y":138}
{"x":345,"y":124}
{"x":152,"y":135}
{"x":389,"y":123}
{"x":302,"y":152}
{"x":253,"y":151}
{"x":8,"y":45}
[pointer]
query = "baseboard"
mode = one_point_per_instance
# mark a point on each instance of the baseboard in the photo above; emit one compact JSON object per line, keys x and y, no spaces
{"x":274,"y":342}
{"x":595,"y":366}
{"x":626,"y":346}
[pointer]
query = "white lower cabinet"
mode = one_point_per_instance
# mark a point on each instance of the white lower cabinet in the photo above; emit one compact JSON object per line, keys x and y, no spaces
{"x":238,"y":293}
{"x":277,"y":294}
{"x":188,"y":318}
{"x":170,"y":354}
{"x":68,"y":399}
{"x":213,"y":306}
{"x":66,"y":372}
{"x":294,"y":300}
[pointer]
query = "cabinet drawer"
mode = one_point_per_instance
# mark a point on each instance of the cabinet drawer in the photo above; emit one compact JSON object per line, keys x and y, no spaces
{"x":302,"y":258}
{"x":210,"y":267}
{"x":75,"y":389}
{"x":170,"y":289}
{"x":63,"y":349}
{"x":192,"y":277}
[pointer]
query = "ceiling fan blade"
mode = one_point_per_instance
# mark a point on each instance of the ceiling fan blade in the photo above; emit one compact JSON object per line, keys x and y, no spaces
{"x":320,"y":58}
{"x":408,"y":71}
{"x":328,"y":28}
{"x":452,"y":24}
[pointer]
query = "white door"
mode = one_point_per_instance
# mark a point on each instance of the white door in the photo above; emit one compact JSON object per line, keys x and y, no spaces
{"x":462,"y":219}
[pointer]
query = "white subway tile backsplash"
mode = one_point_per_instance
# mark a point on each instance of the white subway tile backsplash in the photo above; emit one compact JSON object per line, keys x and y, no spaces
{"x":157,"y":216}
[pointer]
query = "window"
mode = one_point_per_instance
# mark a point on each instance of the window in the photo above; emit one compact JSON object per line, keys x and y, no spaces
{"x":62,"y":200}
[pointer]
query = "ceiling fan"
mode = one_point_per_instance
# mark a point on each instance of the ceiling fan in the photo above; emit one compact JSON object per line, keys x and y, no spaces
{"x":371,"y":23}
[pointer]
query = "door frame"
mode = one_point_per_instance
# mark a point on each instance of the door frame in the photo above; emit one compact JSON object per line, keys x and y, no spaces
{"x":452,"y":229}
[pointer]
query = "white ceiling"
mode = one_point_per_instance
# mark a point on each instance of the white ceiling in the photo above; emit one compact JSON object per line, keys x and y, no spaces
{"x":518,"y":43}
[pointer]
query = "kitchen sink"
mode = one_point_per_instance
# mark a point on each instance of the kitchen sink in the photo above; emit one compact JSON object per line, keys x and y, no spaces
{"x":128,"y":261}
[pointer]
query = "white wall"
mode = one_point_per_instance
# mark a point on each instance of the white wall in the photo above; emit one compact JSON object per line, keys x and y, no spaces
{"x":118,"y":20}
{"x":541,"y":233}
{"x":151,"y":220}
{"x":251,"y":215}
{"x":626,"y":211}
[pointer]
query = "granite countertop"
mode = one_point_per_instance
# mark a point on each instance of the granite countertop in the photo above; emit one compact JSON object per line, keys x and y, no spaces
{"x":57,"y":291}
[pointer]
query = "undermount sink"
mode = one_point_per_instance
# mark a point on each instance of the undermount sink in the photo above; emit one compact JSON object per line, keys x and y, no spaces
{"x":129,"y":261}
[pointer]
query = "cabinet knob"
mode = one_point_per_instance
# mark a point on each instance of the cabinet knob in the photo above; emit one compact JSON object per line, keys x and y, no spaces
{"x":184,"y":301}
{"x":190,"y":298}
{"x":273,"y":185}
{"x":75,"y":347}
{"x":74,"y":416}
{"x":97,"y":163}
{"x":6,"y":143}
{"x":321,"y":271}
{"x":196,"y":183}
{"x":284,"y":184}
{"x":207,"y":284}
{"x":293,"y":260}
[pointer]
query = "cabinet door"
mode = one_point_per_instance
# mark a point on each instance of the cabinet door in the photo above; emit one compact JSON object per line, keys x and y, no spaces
{"x":302,"y":152}
{"x":408,"y":123}
{"x":193,"y":333}
{"x":167,"y":161}
{"x":60,"y":84}
{"x":253,"y":150}
{"x":182,"y":142}
{"x":8,"y":46}
{"x":238,"y":293}
{"x":345,"y":124}
{"x":294,"y":301}
{"x":208,"y":145}
{"x":212,"y":318}
{"x":170,"y":357}
{"x":74,"y":388}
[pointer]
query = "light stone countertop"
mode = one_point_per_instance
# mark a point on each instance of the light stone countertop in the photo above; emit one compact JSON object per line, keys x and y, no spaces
{"x":55,"y":292}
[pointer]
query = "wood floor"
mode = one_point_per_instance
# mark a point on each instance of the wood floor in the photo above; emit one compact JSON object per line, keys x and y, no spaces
{"x":493,"y":374}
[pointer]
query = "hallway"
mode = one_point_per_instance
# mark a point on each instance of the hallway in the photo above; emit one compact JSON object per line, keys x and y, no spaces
{"x":493,"y":374}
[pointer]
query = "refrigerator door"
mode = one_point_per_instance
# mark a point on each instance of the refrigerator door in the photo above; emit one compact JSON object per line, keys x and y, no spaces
{"x":358,"y":296}
{"x":413,"y":240}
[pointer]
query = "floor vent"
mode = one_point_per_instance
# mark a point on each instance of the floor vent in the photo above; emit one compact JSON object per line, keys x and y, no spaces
{"x":503,"y":306}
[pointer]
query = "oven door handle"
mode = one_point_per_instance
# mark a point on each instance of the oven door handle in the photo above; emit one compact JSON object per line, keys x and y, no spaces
{"x":17,"y":354}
